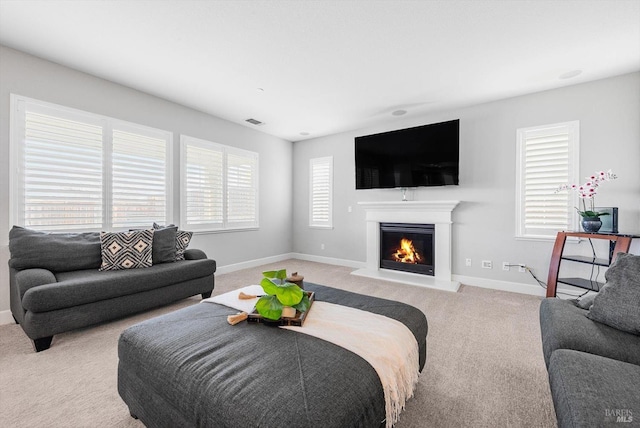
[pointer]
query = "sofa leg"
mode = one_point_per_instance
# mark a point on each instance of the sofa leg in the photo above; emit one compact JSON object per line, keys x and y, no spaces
{"x":42,"y":344}
{"x":206,"y":295}
{"x":14,"y":318}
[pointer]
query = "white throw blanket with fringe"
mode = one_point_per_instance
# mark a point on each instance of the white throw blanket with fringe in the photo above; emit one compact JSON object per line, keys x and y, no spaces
{"x":386,"y":344}
{"x":232,"y":300}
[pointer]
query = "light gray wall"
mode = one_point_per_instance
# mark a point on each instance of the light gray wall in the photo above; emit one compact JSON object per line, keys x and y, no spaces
{"x":608,"y":110}
{"x":484,"y":223}
{"x":33,"y":77}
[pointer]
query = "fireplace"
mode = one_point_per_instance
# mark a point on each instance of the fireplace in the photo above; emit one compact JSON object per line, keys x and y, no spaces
{"x":407,"y":247}
{"x":438,"y":213}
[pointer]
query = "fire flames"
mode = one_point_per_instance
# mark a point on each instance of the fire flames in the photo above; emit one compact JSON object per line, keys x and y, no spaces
{"x":406,"y":253}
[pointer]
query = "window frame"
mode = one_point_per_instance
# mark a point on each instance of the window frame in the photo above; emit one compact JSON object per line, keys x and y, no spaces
{"x":316,"y":224}
{"x":572,"y":129}
{"x":20,"y":104}
{"x":225,"y":225}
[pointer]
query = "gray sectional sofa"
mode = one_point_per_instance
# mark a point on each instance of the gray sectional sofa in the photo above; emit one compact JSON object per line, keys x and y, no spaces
{"x":56,"y":284}
{"x":592,"y":351}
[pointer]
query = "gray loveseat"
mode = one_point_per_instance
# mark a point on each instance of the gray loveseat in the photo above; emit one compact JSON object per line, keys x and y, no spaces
{"x":55,"y":284}
{"x":592,"y":351}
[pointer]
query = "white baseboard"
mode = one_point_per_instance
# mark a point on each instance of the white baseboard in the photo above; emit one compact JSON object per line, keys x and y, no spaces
{"x":329,"y":260}
{"x":6,"y":317}
{"x":514,"y":287}
{"x":274,"y":259}
{"x":409,"y":278}
{"x":253,"y":263}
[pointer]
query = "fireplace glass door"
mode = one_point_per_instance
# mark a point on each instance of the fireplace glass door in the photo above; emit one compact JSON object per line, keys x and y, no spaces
{"x":407,"y":247}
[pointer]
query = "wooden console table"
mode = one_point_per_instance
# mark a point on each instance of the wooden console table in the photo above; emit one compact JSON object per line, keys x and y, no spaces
{"x":618,"y":243}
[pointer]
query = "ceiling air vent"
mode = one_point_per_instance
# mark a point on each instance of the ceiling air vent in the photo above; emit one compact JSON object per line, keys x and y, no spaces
{"x":254,"y":122}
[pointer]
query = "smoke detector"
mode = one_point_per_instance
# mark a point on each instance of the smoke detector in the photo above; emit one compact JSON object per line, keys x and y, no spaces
{"x":254,"y":121}
{"x":570,"y":74}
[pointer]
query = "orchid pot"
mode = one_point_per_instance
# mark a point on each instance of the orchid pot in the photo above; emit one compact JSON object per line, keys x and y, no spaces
{"x":591,"y":224}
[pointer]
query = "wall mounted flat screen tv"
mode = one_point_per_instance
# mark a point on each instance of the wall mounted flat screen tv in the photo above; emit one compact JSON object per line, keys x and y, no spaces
{"x":425,"y":155}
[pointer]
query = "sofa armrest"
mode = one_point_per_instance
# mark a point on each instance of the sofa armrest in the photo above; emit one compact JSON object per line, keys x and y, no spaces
{"x":29,"y":278}
{"x":194,"y":254}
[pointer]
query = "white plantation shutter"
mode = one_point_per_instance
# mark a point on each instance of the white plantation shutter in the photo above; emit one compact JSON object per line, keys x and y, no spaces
{"x":219,"y":186}
{"x":321,"y":192}
{"x":73,"y":170}
{"x":139,"y":178}
{"x":547,"y":158}
{"x":202,"y":183}
{"x":242,"y":188}
{"x":61,"y":180}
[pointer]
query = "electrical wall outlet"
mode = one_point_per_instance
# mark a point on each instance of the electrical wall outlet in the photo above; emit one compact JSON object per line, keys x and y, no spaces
{"x":522,"y":267}
{"x":467,"y":262}
{"x":505,"y":266}
{"x":322,"y":246}
{"x":486,"y":264}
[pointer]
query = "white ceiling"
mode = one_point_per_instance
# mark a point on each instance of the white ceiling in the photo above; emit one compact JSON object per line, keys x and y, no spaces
{"x":330,"y":66}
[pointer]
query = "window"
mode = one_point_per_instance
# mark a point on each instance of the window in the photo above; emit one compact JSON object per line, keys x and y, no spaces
{"x":74,"y":170}
{"x":321,"y":192}
{"x":547,"y":158}
{"x":219,"y":186}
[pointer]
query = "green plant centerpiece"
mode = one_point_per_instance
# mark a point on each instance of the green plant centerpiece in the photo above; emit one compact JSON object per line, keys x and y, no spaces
{"x":279,"y":294}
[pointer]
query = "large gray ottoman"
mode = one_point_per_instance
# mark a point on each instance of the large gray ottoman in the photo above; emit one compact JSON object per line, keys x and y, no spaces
{"x":190,"y":368}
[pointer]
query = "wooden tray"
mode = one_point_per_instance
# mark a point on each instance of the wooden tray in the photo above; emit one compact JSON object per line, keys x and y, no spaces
{"x":297,"y":321}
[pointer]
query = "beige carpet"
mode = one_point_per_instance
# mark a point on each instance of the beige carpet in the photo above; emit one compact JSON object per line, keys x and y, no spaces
{"x":484,"y":360}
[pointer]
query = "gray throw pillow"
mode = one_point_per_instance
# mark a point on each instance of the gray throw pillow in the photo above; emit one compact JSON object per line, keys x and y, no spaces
{"x":164,"y":245}
{"x":182,"y":240}
{"x":57,"y":252}
{"x":585,"y":302}
{"x":618,"y":303}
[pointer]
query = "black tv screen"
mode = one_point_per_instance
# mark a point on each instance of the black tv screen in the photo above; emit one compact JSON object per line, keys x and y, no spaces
{"x":426,"y":155}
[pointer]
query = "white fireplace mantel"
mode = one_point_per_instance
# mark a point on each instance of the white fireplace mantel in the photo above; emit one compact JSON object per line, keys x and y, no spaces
{"x":437,"y":213}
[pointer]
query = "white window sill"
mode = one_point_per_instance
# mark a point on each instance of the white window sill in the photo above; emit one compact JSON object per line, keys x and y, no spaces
{"x":213,"y":231}
{"x":541,"y":238}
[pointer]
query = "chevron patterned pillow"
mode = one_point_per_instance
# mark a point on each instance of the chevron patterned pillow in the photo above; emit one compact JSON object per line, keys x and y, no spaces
{"x":182,"y":242}
{"x":126,"y":250}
